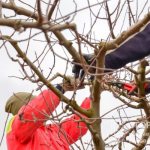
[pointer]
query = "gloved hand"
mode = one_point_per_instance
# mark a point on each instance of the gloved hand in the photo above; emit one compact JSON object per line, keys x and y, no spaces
{"x":69,"y":84}
{"x":60,"y":88}
{"x":78,"y":70}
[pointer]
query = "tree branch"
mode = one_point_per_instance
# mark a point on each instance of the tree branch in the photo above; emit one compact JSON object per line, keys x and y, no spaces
{"x":126,"y":34}
{"x":52,"y":9}
{"x":72,"y":103}
{"x":20,"y":10}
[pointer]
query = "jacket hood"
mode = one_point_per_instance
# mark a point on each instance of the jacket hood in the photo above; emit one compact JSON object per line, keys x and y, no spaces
{"x":16,"y":101}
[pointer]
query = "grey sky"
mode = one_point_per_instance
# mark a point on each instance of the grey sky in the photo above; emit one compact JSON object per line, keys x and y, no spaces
{"x":9,"y":85}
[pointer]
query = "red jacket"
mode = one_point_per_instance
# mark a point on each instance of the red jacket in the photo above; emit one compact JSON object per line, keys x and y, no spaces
{"x":27,"y":132}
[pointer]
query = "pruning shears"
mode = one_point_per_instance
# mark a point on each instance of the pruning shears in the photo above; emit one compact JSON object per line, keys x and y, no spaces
{"x":130,"y":88}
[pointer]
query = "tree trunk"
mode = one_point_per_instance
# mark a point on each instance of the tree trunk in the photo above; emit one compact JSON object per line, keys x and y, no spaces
{"x":97,"y":138}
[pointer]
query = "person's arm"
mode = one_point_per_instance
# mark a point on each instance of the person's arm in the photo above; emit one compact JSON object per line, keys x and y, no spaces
{"x":71,"y":128}
{"x":135,"y":48}
{"x":34,"y":114}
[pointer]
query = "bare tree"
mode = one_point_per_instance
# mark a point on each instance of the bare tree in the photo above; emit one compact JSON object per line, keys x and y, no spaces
{"x":35,"y":34}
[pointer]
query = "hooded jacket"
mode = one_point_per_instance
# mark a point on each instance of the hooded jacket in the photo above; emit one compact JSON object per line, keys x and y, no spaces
{"x":26,"y":130}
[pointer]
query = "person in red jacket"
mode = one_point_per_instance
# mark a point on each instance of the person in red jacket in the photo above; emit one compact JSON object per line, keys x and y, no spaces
{"x":27,"y":129}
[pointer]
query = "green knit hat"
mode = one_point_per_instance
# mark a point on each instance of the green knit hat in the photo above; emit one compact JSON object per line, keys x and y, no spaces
{"x":16,"y":101}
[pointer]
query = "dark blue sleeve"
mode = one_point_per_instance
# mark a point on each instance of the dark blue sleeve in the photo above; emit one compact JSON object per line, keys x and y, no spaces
{"x":134,"y":49}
